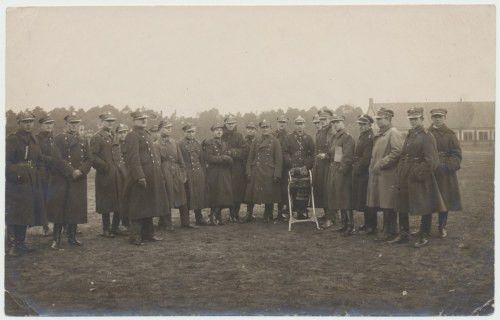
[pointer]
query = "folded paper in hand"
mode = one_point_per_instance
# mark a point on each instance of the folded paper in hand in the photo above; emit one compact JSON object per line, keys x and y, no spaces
{"x":338,"y":154}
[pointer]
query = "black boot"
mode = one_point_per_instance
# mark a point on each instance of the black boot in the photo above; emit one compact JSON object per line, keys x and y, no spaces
{"x":350,"y":223}
{"x":385,"y":233}
{"x":403,"y":237}
{"x":211,"y":218}
{"x":106,"y":232}
{"x":343,"y":221}
{"x":199,"y":218}
{"x":72,"y":235}
{"x":20,"y":237}
{"x":218,"y":217}
{"x":11,"y":242}
{"x":57,"y":232}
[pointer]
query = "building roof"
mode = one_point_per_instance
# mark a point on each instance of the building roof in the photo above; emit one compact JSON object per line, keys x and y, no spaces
{"x":461,"y":115}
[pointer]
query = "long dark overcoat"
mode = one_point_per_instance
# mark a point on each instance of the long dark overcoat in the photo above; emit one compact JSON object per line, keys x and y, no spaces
{"x":24,"y":202}
{"x":195,"y":172}
{"x":418,"y":192}
{"x":362,"y":157}
{"x":320,"y":172}
{"x":298,"y":151}
{"x":107,"y":188}
{"x":265,"y":161}
{"x":118,"y":152}
{"x":281,"y":135}
{"x":172,"y":166}
{"x":219,"y":181}
{"x":67,"y":197}
{"x":238,"y":150}
{"x":45,"y":140}
{"x":341,"y":155}
{"x":450,"y":158}
{"x":142,"y":161}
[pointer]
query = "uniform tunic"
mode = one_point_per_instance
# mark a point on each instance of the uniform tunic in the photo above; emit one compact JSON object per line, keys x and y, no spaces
{"x":118,"y":152}
{"x":298,"y":151}
{"x":142,"y":161}
{"x":219,"y":181}
{"x":382,"y":176}
{"x":195,"y":167}
{"x":239,"y":152}
{"x":265,"y":161}
{"x":340,"y":154}
{"x":320,"y":172}
{"x":450,"y":157}
{"x":418,"y":192}
{"x":281,"y":135}
{"x":67,"y":198}
{"x":172,"y":166}
{"x":45,"y":140}
{"x":362,"y":158}
{"x":24,"y":202}
{"x":107,"y":188}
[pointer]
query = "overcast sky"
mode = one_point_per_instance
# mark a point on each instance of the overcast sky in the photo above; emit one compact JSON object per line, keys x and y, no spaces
{"x":190,"y":59}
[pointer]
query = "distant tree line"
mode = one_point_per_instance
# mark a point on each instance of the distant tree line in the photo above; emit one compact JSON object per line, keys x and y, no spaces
{"x":203,"y":120}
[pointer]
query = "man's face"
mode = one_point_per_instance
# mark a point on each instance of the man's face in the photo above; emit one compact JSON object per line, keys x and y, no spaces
{"x":26,"y":125}
{"x":122,"y":134}
{"x":230,"y":125}
{"x":73,"y":126}
{"x":364,"y":127}
{"x":438,"y":120}
{"x":282,"y":125}
{"x":107,"y":124}
{"x":416,"y":122}
{"x":318,"y":125}
{"x":218,"y":132}
{"x":300,"y":127}
{"x":189,"y":134}
{"x":266,"y":130}
{"x":47,"y":127}
{"x":251,"y":131}
{"x":166,"y":131}
{"x":381,"y":122}
{"x":324,"y":122}
{"x":141,"y":123}
{"x":338,"y":125}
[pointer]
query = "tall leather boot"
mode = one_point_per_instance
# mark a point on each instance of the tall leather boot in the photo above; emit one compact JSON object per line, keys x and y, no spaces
{"x":199,"y":218}
{"x":20,"y":238}
{"x":218,"y":217}
{"x":106,"y":232}
{"x":72,"y":235}
{"x":11,"y":241}
{"x":211,"y":217}
{"x":350,"y":223}
{"x":56,"y":236}
{"x":385,"y":233}
{"x":343,"y":222}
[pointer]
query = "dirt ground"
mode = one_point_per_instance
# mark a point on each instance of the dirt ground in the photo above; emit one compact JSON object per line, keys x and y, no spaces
{"x":262,"y":269}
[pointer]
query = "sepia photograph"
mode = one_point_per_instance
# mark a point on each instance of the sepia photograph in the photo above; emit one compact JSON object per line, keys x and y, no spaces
{"x":249,"y":160}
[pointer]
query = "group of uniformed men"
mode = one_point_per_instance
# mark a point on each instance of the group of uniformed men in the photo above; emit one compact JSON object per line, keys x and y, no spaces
{"x":142,"y":174}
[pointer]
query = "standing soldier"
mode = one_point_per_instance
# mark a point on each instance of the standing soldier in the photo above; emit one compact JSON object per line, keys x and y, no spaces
{"x":450,"y":157}
{"x":23,"y":198}
{"x":237,"y":149}
{"x":264,"y":170}
{"x":195,"y":172}
{"x":362,"y":157}
{"x":317,"y":123}
{"x":281,"y":134}
{"x":251,"y":130}
{"x":155,"y":132}
{"x":118,"y":150}
{"x":145,"y":195}
{"x":298,"y":156}
{"x":382,"y":177}
{"x":219,"y":182}
{"x":320,"y":173}
{"x":67,"y":198}
{"x":341,"y":155}
{"x":107,"y":188}
{"x":418,"y":190}
{"x":45,"y":138}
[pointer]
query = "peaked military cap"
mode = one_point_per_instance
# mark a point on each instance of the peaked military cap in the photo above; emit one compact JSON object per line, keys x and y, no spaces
{"x":188,"y":126}
{"x":316,"y":118}
{"x":138,"y":114}
{"x":121,"y":127}
{"x":230,"y":119}
{"x":46,"y":119}
{"x":325,"y":113}
{"x":217,"y":125}
{"x":384,"y":113}
{"x":299,"y":119}
{"x":154,"y":128}
{"x":337,"y":117}
{"x":439,"y":111}
{"x":264,"y":123}
{"x":72,"y":117}
{"x":364,"y":118}
{"x":251,"y":125}
{"x":281,"y":119}
{"x":415,"y":112}
{"x":25,"y":116}
{"x":165,"y":124}
{"x":107,"y":116}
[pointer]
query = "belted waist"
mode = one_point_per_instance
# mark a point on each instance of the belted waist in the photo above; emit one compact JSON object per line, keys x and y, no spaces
{"x":412,"y":159}
{"x":28,"y":163}
{"x":443,"y":154}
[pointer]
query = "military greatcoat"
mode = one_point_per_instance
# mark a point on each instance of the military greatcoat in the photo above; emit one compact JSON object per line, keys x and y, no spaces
{"x":450,"y":157}
{"x":24,"y":202}
{"x":142,"y":161}
{"x":418,"y":192}
{"x":265,"y":161}
{"x":107,"y":187}
{"x":362,"y":158}
{"x":219,"y":182}
{"x":118,"y":152}
{"x":238,"y":150}
{"x":195,"y":167}
{"x":174,"y":174}
{"x":341,"y":155}
{"x":45,"y":140}
{"x":320,"y":172}
{"x":281,"y":135}
{"x":67,"y":197}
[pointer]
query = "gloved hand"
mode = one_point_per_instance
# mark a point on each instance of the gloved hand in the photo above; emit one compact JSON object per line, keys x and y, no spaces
{"x":142,"y":182}
{"x":76,"y":174}
{"x":276,"y":179}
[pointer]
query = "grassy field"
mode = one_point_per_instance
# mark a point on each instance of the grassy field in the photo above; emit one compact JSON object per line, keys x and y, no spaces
{"x":262,"y":269}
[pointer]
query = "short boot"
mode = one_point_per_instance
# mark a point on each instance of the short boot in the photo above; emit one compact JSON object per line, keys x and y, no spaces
{"x":385,"y":233}
{"x":211,"y":218}
{"x":72,"y":235}
{"x":350,"y":224}
{"x":57,"y":233}
{"x":422,"y":241}
{"x":343,"y":222}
